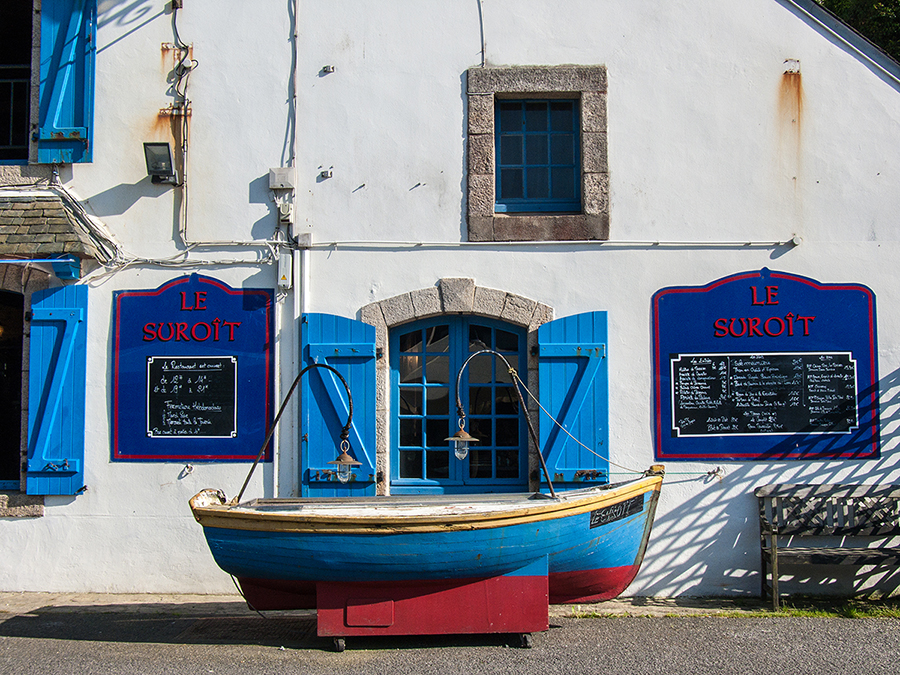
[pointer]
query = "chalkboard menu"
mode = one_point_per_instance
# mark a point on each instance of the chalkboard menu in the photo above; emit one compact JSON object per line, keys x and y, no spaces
{"x":765,"y":365}
{"x":774,"y":393}
{"x":192,"y":396}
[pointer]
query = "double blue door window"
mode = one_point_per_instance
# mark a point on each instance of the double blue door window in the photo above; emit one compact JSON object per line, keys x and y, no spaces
{"x":425,"y":359}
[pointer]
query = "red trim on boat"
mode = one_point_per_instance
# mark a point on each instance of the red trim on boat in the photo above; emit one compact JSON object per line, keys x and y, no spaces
{"x":590,"y":585}
{"x":564,"y":588}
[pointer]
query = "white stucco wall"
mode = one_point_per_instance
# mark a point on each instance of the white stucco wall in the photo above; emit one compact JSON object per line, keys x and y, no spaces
{"x":704,"y":147}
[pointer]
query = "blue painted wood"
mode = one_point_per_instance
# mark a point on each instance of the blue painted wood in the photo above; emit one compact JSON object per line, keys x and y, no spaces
{"x":437,"y":471}
{"x":574,"y":388}
{"x":56,"y":391}
{"x":538,"y":164}
{"x":569,"y":544}
{"x":349,"y":347}
{"x":68,"y":47}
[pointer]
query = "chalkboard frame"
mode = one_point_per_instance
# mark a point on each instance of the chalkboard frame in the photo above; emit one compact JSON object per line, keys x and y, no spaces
{"x":199,"y":316}
{"x":718,"y":317}
{"x":156,"y":397}
{"x":811,"y":426}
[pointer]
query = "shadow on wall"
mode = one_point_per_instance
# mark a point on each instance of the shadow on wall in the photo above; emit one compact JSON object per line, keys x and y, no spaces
{"x":709,"y":543}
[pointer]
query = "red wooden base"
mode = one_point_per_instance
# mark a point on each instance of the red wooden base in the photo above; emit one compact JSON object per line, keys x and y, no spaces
{"x":514,"y":603}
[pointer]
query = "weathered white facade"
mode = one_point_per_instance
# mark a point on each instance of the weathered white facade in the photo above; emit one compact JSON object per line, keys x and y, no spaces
{"x":718,"y":161}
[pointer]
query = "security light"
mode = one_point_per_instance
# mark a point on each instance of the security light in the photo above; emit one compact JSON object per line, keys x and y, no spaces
{"x":160,"y":166}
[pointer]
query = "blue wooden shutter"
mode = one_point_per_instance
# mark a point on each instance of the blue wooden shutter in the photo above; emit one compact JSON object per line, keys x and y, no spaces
{"x":68,"y":46}
{"x":349,"y":347}
{"x":56,"y":391}
{"x":574,"y":387}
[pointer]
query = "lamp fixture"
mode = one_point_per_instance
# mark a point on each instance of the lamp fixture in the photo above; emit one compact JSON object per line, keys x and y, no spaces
{"x":160,"y":166}
{"x":344,"y":463}
{"x":461,"y":439}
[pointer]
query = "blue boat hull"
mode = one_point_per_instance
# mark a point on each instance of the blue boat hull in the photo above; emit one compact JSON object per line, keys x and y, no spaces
{"x":591,"y":556}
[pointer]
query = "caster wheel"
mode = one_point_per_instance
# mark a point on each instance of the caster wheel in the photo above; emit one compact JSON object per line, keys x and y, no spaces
{"x":339,"y":644}
{"x":526,"y":641}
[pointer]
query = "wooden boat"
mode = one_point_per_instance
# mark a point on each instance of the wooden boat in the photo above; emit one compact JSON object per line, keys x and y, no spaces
{"x":590,"y":541}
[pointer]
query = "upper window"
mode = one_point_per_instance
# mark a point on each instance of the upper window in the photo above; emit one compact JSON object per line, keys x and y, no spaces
{"x":15,"y":82}
{"x":537,"y":155}
{"x":60,"y":127}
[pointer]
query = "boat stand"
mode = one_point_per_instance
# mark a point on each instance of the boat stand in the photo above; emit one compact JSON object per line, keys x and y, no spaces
{"x":513,"y":603}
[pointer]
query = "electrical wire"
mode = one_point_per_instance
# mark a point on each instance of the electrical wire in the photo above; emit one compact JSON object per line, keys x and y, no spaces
{"x":718,"y":472}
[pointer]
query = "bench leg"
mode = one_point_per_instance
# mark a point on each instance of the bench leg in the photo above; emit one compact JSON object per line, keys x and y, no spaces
{"x":775,"y":596}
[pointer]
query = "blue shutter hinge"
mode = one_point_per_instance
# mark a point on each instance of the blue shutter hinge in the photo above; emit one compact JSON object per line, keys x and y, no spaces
{"x":597,"y":350}
{"x":64,"y":465}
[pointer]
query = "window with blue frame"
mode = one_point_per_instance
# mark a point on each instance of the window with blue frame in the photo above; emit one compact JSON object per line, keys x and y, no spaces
{"x":63,"y":130}
{"x":538,"y":158}
{"x":15,"y":82}
{"x":425,"y":359}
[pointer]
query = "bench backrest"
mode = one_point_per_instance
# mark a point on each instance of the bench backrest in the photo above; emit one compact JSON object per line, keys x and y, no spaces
{"x":831,"y":509}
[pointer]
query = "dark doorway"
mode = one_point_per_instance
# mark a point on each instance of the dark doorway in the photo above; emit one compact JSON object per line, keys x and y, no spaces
{"x":11,"y":331}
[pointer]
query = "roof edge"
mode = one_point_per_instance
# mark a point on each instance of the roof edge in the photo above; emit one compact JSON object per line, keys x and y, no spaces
{"x":847,"y":38}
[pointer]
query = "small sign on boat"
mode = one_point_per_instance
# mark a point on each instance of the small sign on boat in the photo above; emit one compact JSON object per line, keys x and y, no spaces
{"x":620,"y":511}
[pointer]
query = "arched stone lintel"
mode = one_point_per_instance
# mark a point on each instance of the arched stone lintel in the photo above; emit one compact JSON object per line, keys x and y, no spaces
{"x":448,"y":296}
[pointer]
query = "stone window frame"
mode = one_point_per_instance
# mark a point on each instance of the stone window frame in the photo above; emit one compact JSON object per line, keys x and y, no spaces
{"x":588,"y":84}
{"x":448,"y":296}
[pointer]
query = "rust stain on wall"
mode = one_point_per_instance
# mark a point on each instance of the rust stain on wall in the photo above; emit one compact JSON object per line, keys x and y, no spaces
{"x":790,"y":102}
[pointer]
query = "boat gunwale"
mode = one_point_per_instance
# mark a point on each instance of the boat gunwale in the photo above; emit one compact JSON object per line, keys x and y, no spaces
{"x":241,"y":517}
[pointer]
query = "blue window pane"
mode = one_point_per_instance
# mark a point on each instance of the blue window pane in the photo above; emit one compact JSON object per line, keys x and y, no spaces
{"x":480,"y":464}
{"x":479,"y":337}
{"x":536,"y":116}
{"x":437,"y":339}
{"x":411,"y":342}
{"x":538,"y":182}
{"x":480,"y":401}
{"x":507,"y":464}
{"x":436,"y":431}
{"x":508,"y":432}
{"x":438,"y":400}
{"x":536,"y":150}
{"x":562,"y":115}
{"x":506,"y":401}
{"x":506,"y":341}
{"x":481,"y":429}
{"x":438,"y":462}
{"x":481,"y":369}
{"x":511,"y":184}
{"x":511,"y":150}
{"x":503,"y":374}
{"x":563,"y":182}
{"x":437,"y":369}
{"x":410,"y":368}
{"x":410,"y":463}
{"x":410,"y":401}
{"x":410,"y":432}
{"x":562,"y":149}
{"x":509,"y":116}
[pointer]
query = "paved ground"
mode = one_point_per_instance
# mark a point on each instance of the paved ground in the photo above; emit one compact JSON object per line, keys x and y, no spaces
{"x":56,"y":634}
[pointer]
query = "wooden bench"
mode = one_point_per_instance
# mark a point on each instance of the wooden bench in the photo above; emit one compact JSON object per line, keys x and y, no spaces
{"x":788,"y":513}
